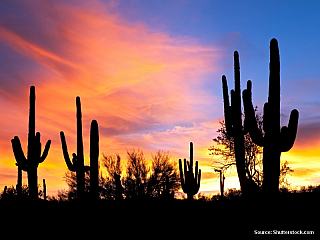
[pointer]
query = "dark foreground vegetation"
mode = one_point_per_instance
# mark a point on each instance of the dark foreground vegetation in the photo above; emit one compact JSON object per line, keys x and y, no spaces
{"x":234,"y":215}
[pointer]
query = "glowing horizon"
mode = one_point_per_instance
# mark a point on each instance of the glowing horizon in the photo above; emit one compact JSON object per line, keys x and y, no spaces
{"x":147,"y":86}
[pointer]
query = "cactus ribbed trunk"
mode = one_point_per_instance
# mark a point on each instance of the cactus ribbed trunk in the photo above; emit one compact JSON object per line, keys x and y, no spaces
{"x":94,"y":160}
{"x":31,"y":155}
{"x":80,"y":159}
{"x":33,"y":182}
{"x":19,"y":181}
{"x":271,"y":152}
{"x":237,"y":124}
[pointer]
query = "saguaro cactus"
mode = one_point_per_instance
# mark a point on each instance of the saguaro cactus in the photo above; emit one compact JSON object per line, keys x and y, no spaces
{"x":233,"y":123}
{"x":222,"y":178}
{"x":274,"y":141}
{"x":44,"y":190}
{"x":34,"y":157}
{"x":77,"y":164}
{"x":19,"y":181}
{"x":119,"y":189}
{"x":190,"y":182}
{"x":94,"y":160}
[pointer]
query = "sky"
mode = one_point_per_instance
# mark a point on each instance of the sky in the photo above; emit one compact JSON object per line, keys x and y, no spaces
{"x":150,"y":73}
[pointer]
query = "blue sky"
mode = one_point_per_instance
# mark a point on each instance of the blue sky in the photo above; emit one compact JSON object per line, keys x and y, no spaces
{"x":248,"y":27}
{"x":245,"y":26}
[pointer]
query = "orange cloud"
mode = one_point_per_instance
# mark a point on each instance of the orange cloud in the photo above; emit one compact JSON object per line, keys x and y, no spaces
{"x":136,"y":82}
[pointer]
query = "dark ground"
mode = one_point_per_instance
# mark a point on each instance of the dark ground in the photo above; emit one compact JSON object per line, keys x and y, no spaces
{"x":172,"y":218}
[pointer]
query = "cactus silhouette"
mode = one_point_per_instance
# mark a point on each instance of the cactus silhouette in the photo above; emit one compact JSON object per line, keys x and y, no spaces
{"x":77,"y":164}
{"x":44,"y":190}
{"x":222,"y":178}
{"x":119,"y":188}
{"x":34,"y":157}
{"x":190,"y":182}
{"x":234,"y":128}
{"x":94,"y":160}
{"x":19,"y":181}
{"x":274,"y":141}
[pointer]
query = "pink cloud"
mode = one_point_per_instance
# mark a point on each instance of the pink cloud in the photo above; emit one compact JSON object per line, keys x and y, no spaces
{"x":134,"y":81}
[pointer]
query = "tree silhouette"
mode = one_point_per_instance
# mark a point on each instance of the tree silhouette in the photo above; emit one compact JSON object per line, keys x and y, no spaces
{"x":112,"y":184}
{"x":136,"y":181}
{"x":253,"y":153}
{"x":164,"y":179}
{"x":34,"y":157}
{"x":285,"y":170}
{"x":161,"y":179}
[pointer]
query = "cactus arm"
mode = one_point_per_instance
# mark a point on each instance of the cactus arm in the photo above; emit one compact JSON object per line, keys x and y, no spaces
{"x":38,"y":148}
{"x":18,"y":153}
{"x":45,"y":151}
{"x":226,"y":106}
{"x":70,"y":166}
{"x":181,"y":175}
{"x":288,"y":134}
{"x":250,"y":122}
{"x":191,"y":157}
{"x":199,"y":178}
{"x":196,"y":173}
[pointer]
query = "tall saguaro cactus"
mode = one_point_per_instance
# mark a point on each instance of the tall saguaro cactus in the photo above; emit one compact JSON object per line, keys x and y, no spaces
{"x":233,"y":123}
{"x":190,"y":182}
{"x":34,"y":157}
{"x":94,"y":160}
{"x":274,"y":141}
{"x":19,"y":181}
{"x":77,"y":164}
{"x":222,"y":178}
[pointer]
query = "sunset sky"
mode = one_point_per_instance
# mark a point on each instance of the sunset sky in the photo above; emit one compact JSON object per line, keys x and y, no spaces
{"x":150,"y":73}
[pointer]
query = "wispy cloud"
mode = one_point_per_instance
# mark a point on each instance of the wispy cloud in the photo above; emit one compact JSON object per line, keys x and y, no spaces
{"x":138,"y":83}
